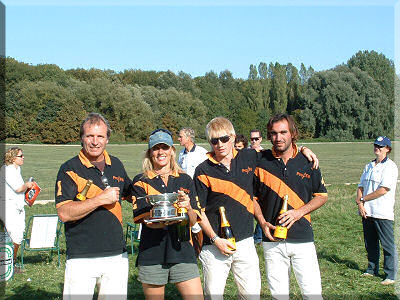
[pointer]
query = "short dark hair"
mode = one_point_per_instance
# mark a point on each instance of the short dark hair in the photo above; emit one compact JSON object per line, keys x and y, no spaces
{"x":241,"y":138}
{"x":256,"y":130}
{"x":292,"y":125}
{"x":95,"y":118}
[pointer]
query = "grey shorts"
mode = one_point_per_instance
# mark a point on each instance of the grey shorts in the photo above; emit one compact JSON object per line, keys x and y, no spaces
{"x":168,"y":273}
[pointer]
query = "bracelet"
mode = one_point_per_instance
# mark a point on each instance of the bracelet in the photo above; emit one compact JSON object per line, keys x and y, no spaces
{"x":214,"y":238}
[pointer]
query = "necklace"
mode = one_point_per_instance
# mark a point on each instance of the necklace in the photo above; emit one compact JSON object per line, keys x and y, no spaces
{"x":163,"y":175}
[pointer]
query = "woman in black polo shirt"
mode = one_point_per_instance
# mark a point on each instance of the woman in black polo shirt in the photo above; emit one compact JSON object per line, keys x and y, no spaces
{"x":162,"y":257}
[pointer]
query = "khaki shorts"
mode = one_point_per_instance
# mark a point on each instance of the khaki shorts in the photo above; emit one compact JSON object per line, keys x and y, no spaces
{"x":168,"y":273}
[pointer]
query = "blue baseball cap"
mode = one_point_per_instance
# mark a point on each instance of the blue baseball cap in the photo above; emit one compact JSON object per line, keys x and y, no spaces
{"x":383,"y":141}
{"x":160,"y":136}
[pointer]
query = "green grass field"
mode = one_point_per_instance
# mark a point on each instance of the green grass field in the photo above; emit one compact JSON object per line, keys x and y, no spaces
{"x":337,"y":227}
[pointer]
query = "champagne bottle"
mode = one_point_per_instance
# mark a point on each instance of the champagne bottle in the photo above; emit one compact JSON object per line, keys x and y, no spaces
{"x":82,"y":195}
{"x":183,"y":226}
{"x":226,"y":230}
{"x":280,"y":232}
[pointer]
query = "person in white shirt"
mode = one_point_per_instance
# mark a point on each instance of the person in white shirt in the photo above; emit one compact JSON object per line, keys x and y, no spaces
{"x":189,"y":158}
{"x":192,"y":155}
{"x":15,"y":188}
{"x":375,"y":200}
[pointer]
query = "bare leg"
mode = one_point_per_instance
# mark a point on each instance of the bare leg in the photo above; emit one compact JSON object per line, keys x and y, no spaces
{"x":153,"y":292}
{"x":16,"y":247}
{"x":190,"y":289}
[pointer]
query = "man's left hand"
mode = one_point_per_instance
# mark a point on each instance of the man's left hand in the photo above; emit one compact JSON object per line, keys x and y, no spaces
{"x":311,"y":156}
{"x":288,"y":218}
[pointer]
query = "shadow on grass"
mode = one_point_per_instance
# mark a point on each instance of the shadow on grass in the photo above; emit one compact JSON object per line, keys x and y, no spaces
{"x":27,"y":292}
{"x":40,"y":257}
{"x":370,"y":296}
{"x":337,"y":260}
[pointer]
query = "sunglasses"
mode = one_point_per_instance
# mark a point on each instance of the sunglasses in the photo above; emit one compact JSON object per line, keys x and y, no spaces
{"x":379,"y":146}
{"x":224,"y":139}
{"x":21,"y":156}
{"x":160,"y":146}
{"x":162,"y":130}
{"x":254,"y":139}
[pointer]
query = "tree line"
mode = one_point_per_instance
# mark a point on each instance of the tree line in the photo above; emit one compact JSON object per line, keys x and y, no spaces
{"x":46,"y":104}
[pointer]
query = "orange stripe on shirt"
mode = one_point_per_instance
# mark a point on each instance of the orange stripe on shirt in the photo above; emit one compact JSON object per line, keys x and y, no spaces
{"x":93,"y":191}
{"x":149,"y":190}
{"x":279,"y":187}
{"x":230,"y":189}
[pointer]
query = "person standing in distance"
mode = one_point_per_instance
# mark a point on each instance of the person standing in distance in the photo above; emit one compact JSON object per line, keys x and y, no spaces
{"x":96,"y":251}
{"x":15,"y":188}
{"x":285,"y":171}
{"x":189,"y":158}
{"x":192,"y":155}
{"x":255,"y":140}
{"x":375,"y":200}
{"x":240,"y":142}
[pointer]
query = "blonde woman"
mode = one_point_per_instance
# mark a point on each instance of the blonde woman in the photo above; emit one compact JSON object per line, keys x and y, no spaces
{"x":15,"y":188}
{"x":162,"y":257}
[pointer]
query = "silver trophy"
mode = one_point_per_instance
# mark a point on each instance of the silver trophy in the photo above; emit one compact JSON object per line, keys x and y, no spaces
{"x":163,"y":207}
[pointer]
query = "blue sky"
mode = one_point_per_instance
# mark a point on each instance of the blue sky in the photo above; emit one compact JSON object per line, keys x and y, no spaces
{"x":196,"y":36}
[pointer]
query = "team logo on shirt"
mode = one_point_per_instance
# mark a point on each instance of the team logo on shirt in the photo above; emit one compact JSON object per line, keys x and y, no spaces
{"x":247,"y":171}
{"x":303,"y":175}
{"x":118,"y":178}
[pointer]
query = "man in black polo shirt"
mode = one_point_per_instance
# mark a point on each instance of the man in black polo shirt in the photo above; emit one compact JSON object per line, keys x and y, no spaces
{"x":283,"y":171}
{"x":96,"y":251}
{"x":226,"y":179}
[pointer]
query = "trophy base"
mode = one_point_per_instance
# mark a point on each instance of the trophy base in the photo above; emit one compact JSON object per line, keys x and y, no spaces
{"x":166,"y":219}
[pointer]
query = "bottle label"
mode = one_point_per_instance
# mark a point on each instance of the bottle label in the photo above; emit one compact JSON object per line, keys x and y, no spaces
{"x":280,"y":232}
{"x":233,"y":241}
{"x":6,"y":257}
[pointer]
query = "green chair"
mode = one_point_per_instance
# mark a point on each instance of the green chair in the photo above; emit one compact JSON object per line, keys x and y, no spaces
{"x":133,"y":232}
{"x":42,"y":234}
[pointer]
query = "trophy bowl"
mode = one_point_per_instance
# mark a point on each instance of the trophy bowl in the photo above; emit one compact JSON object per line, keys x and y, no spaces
{"x":163,"y":207}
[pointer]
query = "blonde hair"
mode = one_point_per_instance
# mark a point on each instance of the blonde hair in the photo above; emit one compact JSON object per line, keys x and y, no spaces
{"x":10,"y":155}
{"x":147,"y":165}
{"x":217,"y":126}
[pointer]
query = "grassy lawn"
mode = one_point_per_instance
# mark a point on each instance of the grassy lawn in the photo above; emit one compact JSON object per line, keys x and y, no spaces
{"x":337,"y":227}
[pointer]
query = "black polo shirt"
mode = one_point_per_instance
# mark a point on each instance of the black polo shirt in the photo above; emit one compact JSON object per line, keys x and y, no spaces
{"x":99,"y":233}
{"x":274,"y":179}
{"x":161,"y":246}
{"x":217,"y":186}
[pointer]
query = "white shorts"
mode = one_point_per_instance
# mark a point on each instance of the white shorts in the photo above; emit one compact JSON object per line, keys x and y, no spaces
{"x":110,"y":273}
{"x":15,"y":224}
{"x":245,"y":267}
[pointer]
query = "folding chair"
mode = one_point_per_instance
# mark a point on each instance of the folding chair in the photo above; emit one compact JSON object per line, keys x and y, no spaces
{"x":42,"y":234}
{"x":133,"y":232}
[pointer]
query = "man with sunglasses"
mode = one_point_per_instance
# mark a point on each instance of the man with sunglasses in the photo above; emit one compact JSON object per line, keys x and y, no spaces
{"x":255,"y":140}
{"x":96,"y":251}
{"x":375,"y":200}
{"x":226,"y":179}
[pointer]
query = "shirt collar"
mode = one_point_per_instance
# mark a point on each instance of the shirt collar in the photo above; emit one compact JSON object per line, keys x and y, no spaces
{"x":211,"y":158}
{"x":152,"y":174}
{"x":191,"y":150}
{"x":86,"y":162}
{"x":295,"y":151}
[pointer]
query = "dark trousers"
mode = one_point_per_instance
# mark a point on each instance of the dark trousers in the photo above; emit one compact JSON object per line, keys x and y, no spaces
{"x":380,"y":231}
{"x":257,"y":236}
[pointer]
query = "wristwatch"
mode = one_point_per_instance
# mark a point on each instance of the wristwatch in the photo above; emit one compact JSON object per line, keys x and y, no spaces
{"x":362,"y":200}
{"x":214,"y":238}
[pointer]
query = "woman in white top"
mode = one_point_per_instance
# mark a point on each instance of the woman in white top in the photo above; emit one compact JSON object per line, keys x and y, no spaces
{"x":15,"y":188}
